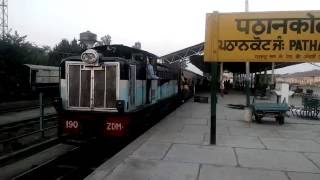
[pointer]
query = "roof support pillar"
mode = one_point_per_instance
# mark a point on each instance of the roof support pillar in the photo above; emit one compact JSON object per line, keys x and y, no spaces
{"x":248,"y":83}
{"x":213,"y":118}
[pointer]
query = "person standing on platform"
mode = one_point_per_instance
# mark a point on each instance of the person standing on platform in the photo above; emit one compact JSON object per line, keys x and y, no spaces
{"x":222,"y":87}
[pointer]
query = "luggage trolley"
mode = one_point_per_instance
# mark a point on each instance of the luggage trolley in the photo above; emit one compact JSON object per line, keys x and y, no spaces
{"x":277,"y":110}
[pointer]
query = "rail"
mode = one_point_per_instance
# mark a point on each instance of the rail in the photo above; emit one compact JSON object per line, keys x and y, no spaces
{"x":21,"y":106}
{"x":12,"y":133}
{"x":16,"y":109}
{"x":24,"y":123}
{"x":27,"y":134}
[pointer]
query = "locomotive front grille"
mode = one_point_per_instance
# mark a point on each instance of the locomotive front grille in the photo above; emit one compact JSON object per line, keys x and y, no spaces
{"x":110,"y":97}
{"x":85,"y":88}
{"x":99,"y":88}
{"x":92,"y":87}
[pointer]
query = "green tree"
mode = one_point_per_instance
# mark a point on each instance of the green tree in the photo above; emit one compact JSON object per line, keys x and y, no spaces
{"x":15,"y":51}
{"x":64,"y":49}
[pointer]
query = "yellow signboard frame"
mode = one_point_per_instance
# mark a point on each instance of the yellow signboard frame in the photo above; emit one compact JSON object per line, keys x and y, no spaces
{"x":286,"y":36}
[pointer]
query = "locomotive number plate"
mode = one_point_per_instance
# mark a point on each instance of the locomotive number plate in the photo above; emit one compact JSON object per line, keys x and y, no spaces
{"x":111,"y":126}
{"x":72,"y":127}
{"x":72,"y":124}
{"x":116,"y":126}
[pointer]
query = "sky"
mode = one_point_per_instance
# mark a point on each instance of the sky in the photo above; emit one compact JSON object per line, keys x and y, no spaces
{"x":162,"y":26}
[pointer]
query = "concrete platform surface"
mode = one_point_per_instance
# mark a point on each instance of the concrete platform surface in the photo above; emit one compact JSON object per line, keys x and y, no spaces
{"x":178,"y":148}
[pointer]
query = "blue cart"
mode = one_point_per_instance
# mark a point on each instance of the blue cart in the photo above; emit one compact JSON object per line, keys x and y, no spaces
{"x":277,"y":110}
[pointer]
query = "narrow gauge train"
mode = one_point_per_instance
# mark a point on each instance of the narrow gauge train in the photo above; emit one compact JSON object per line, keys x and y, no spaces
{"x":106,"y":91}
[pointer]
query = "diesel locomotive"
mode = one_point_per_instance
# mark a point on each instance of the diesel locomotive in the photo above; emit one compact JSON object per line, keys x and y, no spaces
{"x":107,"y":90}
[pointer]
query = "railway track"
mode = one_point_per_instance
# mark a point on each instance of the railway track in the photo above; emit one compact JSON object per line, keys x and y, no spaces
{"x":17,"y":109}
{"x":75,"y":164}
{"x":22,"y":105}
{"x":20,"y":135}
{"x":25,"y":123}
{"x":18,"y":106}
{"x":81,"y":161}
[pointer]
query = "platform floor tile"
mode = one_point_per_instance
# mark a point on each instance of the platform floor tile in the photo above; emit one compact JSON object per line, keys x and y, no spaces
{"x":208,"y":172}
{"x":291,"y":144}
{"x":303,"y":176}
{"x":275,"y":160}
{"x":152,"y":150}
{"x":239,"y":141}
{"x":199,"y":121}
{"x":241,"y":131}
{"x":299,"y":134}
{"x":201,"y":154}
{"x":186,"y":138}
{"x":137,"y":169}
{"x":314,"y":157}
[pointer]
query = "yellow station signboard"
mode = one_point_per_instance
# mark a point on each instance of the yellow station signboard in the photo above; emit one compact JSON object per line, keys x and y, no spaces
{"x":292,"y":36}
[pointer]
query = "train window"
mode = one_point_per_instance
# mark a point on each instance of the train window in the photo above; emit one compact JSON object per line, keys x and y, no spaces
{"x":124,"y":72}
{"x":141,"y":71}
{"x":132,"y":84}
{"x":62,"y":71}
{"x":74,"y":85}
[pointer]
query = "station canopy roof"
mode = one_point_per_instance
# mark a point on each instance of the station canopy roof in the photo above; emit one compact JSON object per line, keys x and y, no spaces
{"x":41,"y":67}
{"x":194,"y":55}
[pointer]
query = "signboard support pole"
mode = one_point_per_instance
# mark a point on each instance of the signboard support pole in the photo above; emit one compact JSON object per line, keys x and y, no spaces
{"x":221,"y":79}
{"x":41,"y":113}
{"x":214,"y":79}
{"x":248,"y":83}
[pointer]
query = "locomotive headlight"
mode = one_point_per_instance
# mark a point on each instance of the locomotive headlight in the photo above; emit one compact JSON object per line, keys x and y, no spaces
{"x":90,"y":56}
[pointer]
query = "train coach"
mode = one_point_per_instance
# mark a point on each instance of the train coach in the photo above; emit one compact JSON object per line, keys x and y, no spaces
{"x":25,"y":81}
{"x":107,"y":90}
{"x":43,"y":78}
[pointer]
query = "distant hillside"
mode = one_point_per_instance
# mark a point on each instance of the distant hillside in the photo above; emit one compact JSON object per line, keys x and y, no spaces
{"x":302,"y":74}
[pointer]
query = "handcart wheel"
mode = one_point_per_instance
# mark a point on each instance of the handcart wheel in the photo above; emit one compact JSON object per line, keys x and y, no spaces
{"x":258,"y":118}
{"x":280,"y":119}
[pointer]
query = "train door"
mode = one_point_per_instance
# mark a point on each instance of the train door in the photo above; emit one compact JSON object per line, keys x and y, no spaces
{"x":132,"y":86}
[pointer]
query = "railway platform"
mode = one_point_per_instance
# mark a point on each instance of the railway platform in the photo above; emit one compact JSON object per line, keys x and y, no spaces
{"x":178,"y":148}
{"x":13,"y":117}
